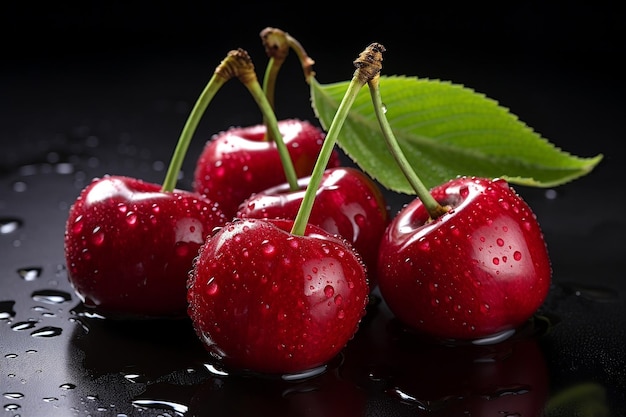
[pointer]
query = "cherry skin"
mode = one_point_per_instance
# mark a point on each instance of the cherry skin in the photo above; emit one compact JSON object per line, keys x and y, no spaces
{"x":348,"y":203}
{"x":264,"y":300}
{"x":480,"y":269}
{"x":129,"y":246}
{"x":240,"y":161}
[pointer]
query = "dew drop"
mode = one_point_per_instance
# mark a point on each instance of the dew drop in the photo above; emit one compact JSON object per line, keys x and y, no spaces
{"x":268,"y":248}
{"x":9,"y":225}
{"x":47,"y":331}
{"x":24,"y":325}
{"x":329,"y":291}
{"x":338,"y":300}
{"x":517,"y":255}
{"x":177,"y":408}
{"x":360,"y":220}
{"x":11,"y":407}
{"x":551,"y":194}
{"x":211,"y":288}
{"x":341,"y":314}
{"x":97,"y":236}
{"x":30,"y":273}
{"x":19,"y":186}
{"x":424,"y":245}
{"x":13,"y":395}
{"x":67,"y":386}
{"x":496,"y":261}
{"x":500,"y":242}
{"x":6,"y":309}
{"x":51,"y":296}
{"x":77,"y":227}
{"x":131,"y":218}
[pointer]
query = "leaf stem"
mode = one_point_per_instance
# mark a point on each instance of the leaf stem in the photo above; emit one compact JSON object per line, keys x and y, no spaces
{"x":367,"y":65}
{"x":432,"y":206}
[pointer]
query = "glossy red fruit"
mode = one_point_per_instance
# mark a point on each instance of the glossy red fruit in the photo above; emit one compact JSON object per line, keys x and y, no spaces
{"x":129,"y":246}
{"x":480,"y":269}
{"x":266,"y":301}
{"x":348,"y":203}
{"x":239,"y":161}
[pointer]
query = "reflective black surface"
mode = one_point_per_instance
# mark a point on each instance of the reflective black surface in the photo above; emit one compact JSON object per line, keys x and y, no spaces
{"x":71,"y":112}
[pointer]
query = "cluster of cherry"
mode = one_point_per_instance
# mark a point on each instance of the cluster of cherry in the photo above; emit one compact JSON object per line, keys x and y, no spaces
{"x":276,"y":251}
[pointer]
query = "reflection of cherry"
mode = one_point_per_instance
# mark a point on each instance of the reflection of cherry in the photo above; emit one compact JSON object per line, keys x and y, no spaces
{"x":327,"y":395}
{"x":449,"y":380}
{"x":151,"y":349}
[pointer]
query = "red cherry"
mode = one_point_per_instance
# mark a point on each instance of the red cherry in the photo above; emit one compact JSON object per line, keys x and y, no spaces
{"x":347,"y":203}
{"x":267,"y":301}
{"x":129,"y":246}
{"x":477,"y":270}
{"x":240,"y":161}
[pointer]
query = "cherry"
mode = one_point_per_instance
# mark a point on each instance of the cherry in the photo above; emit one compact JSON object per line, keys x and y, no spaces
{"x":266,"y":300}
{"x":129,"y":246}
{"x":479,"y":269}
{"x":465,"y":260}
{"x":240,"y":161}
{"x":348,"y":203}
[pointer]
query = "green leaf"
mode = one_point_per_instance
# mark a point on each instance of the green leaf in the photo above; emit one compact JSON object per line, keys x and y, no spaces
{"x":445,"y":130}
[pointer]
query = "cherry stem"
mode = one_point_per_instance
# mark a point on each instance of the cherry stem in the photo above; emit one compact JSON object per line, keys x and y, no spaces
{"x":236,"y":64}
{"x":277,"y":44}
{"x":248,"y":77}
{"x":432,"y":206}
{"x":219,"y":78}
{"x":368,"y":64}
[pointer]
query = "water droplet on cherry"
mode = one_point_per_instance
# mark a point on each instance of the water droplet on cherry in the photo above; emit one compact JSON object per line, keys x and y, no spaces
{"x":329,"y":291}
{"x":97,"y":237}
{"x":131,"y":218}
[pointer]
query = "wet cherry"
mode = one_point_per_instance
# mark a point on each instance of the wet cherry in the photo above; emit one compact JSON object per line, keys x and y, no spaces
{"x":241,"y":161}
{"x":267,"y":301}
{"x":479,"y":269}
{"x":129,"y":246}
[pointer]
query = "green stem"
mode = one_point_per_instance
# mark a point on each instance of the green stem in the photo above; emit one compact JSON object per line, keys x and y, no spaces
{"x":221,"y":75}
{"x":269,"y":80}
{"x":277,"y":49}
{"x":188,"y":131}
{"x":367,"y":65}
{"x":272,"y":127}
{"x":432,"y":206}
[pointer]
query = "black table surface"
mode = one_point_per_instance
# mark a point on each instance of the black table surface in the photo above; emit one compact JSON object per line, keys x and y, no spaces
{"x":114,"y":102}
